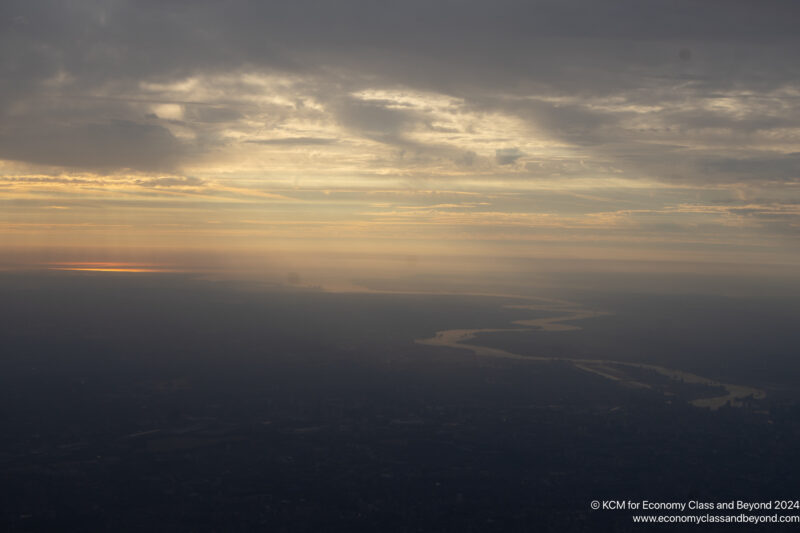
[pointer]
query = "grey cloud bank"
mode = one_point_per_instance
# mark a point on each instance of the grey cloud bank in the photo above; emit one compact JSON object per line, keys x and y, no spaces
{"x":634,"y":85}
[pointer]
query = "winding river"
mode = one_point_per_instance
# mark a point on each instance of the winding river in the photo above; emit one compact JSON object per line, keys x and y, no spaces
{"x":609,"y":369}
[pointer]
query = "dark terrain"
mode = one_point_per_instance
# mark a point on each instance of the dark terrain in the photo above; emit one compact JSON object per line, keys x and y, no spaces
{"x":163,"y":403}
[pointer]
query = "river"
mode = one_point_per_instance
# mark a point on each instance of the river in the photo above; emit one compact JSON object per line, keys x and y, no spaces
{"x":567,"y":313}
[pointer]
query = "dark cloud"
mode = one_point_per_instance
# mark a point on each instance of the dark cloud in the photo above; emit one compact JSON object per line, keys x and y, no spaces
{"x":770,"y":167}
{"x":546,"y":62}
{"x":294,"y":141}
{"x":574,"y":122}
{"x":522,"y":41}
{"x":374,"y":120}
{"x":507,"y":156}
{"x":99,"y":146}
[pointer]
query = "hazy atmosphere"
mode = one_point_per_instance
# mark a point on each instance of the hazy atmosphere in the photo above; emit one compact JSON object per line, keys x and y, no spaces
{"x":398,"y":266}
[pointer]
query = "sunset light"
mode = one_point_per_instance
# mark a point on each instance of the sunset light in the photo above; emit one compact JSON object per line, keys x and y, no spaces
{"x":429,"y":266}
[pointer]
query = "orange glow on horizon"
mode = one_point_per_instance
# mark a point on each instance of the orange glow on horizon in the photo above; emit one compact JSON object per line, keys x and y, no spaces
{"x":109,"y":267}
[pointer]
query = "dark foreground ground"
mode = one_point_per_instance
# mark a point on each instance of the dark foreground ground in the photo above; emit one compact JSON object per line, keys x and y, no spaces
{"x":160,"y":403}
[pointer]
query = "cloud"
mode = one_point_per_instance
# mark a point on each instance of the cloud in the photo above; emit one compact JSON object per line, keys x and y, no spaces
{"x":774,"y":167}
{"x":108,"y":146}
{"x":374,"y":119}
{"x":171,"y":181}
{"x":294,"y":141}
{"x":212,"y":114}
{"x":507,"y":156}
{"x":662,"y":90}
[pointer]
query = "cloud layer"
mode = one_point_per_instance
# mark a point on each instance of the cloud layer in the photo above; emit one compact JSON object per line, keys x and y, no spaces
{"x":625,"y":81}
{"x":691,"y":101}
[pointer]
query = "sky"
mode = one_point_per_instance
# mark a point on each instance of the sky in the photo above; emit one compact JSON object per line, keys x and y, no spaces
{"x":397,"y":136}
